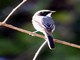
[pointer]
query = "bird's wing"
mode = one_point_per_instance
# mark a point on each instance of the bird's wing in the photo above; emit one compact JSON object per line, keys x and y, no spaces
{"x":48,"y":24}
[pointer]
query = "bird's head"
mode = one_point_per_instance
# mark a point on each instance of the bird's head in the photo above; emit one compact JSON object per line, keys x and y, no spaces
{"x":44,"y":13}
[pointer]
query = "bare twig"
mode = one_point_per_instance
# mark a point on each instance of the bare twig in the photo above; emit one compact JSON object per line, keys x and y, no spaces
{"x":21,"y":30}
{"x":38,"y":51}
{"x":38,"y":35}
{"x":67,"y":43}
{"x":13,"y":11}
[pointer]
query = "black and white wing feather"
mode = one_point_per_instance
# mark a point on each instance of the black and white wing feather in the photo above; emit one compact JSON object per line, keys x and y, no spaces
{"x":48,"y":24}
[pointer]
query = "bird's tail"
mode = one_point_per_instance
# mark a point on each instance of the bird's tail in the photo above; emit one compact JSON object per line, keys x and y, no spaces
{"x":50,"y":41}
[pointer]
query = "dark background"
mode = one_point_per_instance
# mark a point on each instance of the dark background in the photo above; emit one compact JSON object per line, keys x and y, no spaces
{"x":15,"y":45}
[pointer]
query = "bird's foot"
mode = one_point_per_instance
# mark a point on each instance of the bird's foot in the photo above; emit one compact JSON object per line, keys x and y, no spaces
{"x":34,"y":33}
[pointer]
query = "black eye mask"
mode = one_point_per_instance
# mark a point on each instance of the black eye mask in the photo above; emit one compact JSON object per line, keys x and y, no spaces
{"x":44,"y":13}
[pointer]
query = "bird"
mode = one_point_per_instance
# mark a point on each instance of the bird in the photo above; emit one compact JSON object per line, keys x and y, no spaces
{"x":43,"y":22}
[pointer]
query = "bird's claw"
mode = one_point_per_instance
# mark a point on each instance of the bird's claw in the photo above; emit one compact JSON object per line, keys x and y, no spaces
{"x":34,"y":33}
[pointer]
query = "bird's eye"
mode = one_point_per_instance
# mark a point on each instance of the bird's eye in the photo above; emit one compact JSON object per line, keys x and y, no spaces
{"x":44,"y":13}
{"x":41,"y":13}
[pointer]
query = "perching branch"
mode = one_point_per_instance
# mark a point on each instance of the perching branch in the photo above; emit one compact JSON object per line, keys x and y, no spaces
{"x":38,"y":35}
{"x":13,"y":11}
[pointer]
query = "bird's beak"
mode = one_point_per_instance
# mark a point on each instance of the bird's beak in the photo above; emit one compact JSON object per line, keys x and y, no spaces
{"x":53,"y":11}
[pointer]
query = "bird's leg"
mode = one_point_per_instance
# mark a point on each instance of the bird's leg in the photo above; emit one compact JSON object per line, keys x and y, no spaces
{"x":34,"y":33}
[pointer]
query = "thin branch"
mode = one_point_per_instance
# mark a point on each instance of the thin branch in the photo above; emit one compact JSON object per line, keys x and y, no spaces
{"x":67,"y":43}
{"x":38,"y":51}
{"x":13,"y":11}
{"x":21,"y":30}
{"x":38,"y":35}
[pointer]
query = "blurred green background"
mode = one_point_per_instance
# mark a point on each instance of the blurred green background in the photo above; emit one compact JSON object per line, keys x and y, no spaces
{"x":15,"y":45}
